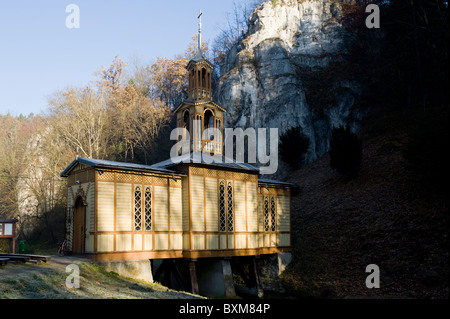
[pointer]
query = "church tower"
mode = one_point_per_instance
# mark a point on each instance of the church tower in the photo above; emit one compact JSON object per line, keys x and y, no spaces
{"x":199,"y":114}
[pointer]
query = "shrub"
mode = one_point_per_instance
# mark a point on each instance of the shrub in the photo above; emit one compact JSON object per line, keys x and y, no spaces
{"x":293,"y":146}
{"x":345,"y":151}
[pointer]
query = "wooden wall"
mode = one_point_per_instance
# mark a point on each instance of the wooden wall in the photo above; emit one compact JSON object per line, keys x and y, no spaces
{"x":81,"y":184}
{"x":185,"y":214}
{"x":248,"y":236}
{"x":115,"y":231}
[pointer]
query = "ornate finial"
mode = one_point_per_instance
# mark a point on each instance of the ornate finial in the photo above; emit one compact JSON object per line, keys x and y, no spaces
{"x":200,"y":31}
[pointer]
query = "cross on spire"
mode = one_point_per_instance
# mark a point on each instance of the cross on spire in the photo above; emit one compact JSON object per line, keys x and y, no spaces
{"x":200,"y":30}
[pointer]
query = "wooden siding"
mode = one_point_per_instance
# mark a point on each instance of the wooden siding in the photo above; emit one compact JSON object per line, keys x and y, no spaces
{"x":184,"y":215}
{"x":105,"y":206}
{"x":283,"y":209}
{"x":161,"y":211}
{"x":240,"y":218}
{"x":198,"y":203}
{"x":176,"y":209}
{"x":123,"y":207}
{"x":105,"y":242}
{"x":212,"y":205}
{"x":252,"y":206}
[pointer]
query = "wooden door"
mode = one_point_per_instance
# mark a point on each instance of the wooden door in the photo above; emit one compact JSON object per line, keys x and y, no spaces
{"x":78,"y":227}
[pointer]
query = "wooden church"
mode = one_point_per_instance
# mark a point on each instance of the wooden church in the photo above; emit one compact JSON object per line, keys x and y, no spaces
{"x":121,"y":211}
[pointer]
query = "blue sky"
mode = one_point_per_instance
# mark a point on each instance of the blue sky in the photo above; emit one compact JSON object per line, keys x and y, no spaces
{"x":40,"y":55}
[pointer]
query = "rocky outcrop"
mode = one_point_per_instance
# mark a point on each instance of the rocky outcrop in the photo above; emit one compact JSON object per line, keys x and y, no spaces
{"x":288,"y":71}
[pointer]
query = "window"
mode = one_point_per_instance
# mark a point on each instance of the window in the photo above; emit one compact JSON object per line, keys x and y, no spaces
{"x":226,"y":222}
{"x":137,"y":209}
{"x":209,"y":125}
{"x":203,"y":77}
{"x":198,"y":133}
{"x":148,"y":209}
{"x":222,"y":211}
{"x":230,"y":206}
{"x":1,"y":229}
{"x":273,"y":214}
{"x":270,"y":213}
{"x":186,"y":122}
{"x":266,"y":213}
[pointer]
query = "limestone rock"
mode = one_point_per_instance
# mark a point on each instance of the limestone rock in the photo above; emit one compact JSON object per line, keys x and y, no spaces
{"x":263,"y":81}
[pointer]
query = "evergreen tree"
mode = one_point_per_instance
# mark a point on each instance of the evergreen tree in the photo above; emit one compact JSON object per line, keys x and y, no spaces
{"x":345,"y":151}
{"x":293,"y":146}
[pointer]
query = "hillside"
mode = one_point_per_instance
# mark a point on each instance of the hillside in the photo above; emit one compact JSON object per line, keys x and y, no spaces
{"x":382,"y":217}
{"x":48,"y":281}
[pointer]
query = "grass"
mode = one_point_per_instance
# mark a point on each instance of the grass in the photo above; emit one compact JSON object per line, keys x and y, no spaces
{"x":49,"y":282}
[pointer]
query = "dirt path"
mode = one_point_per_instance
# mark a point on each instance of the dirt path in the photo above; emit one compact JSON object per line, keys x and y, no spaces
{"x":56,"y":262}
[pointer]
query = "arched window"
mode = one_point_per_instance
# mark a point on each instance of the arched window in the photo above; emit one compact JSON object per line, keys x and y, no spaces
{"x":208,"y":81}
{"x":273,"y":214}
{"x":266,"y":214}
{"x":137,"y":209}
{"x":270,"y":214}
{"x":204,"y":78}
{"x":226,"y":221}
{"x":222,"y":207}
{"x":148,"y":208}
{"x":209,"y":125}
{"x":230,"y":222}
{"x":186,"y":122}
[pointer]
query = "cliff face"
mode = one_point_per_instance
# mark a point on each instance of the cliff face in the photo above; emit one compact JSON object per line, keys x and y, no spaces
{"x":289,"y":71}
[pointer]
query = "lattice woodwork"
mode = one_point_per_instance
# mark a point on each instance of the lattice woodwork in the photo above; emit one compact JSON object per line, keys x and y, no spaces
{"x":105,"y":176}
{"x":272,"y":214}
{"x":137,"y":209}
{"x":160,"y":181}
{"x":148,"y":208}
{"x":196,"y":171}
{"x":230,"y":222}
{"x":127,"y":178}
{"x":174,"y":183}
{"x":222,"y":211}
{"x":137,"y":179}
{"x":266,"y":213}
{"x":211,"y":172}
{"x":148,"y":179}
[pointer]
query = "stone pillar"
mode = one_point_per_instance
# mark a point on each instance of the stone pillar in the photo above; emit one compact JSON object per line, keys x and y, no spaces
{"x":215,"y":277}
{"x":228,"y":278}
{"x":193,"y":275}
{"x":283,"y":260}
{"x":254,"y":269}
{"x":136,"y":269}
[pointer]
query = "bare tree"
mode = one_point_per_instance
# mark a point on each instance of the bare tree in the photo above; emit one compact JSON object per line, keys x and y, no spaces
{"x":79,"y":117}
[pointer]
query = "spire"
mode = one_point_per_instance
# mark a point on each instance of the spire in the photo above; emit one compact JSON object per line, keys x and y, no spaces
{"x":200,"y":30}
{"x":199,"y":54}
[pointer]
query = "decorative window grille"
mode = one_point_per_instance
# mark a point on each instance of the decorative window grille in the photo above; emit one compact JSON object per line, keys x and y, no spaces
{"x":148,"y":209}
{"x":273,"y":214}
{"x":266,"y":213}
{"x":222,"y":212}
{"x":137,"y":209}
{"x":230,"y":206}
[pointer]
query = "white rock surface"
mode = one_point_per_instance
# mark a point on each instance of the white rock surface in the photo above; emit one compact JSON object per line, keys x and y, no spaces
{"x":261,"y":82}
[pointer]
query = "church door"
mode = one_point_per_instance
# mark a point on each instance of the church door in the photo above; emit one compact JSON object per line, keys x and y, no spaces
{"x":79,"y":227}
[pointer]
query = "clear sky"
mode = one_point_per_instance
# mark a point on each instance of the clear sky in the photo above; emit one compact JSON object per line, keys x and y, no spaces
{"x":40,"y":55}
